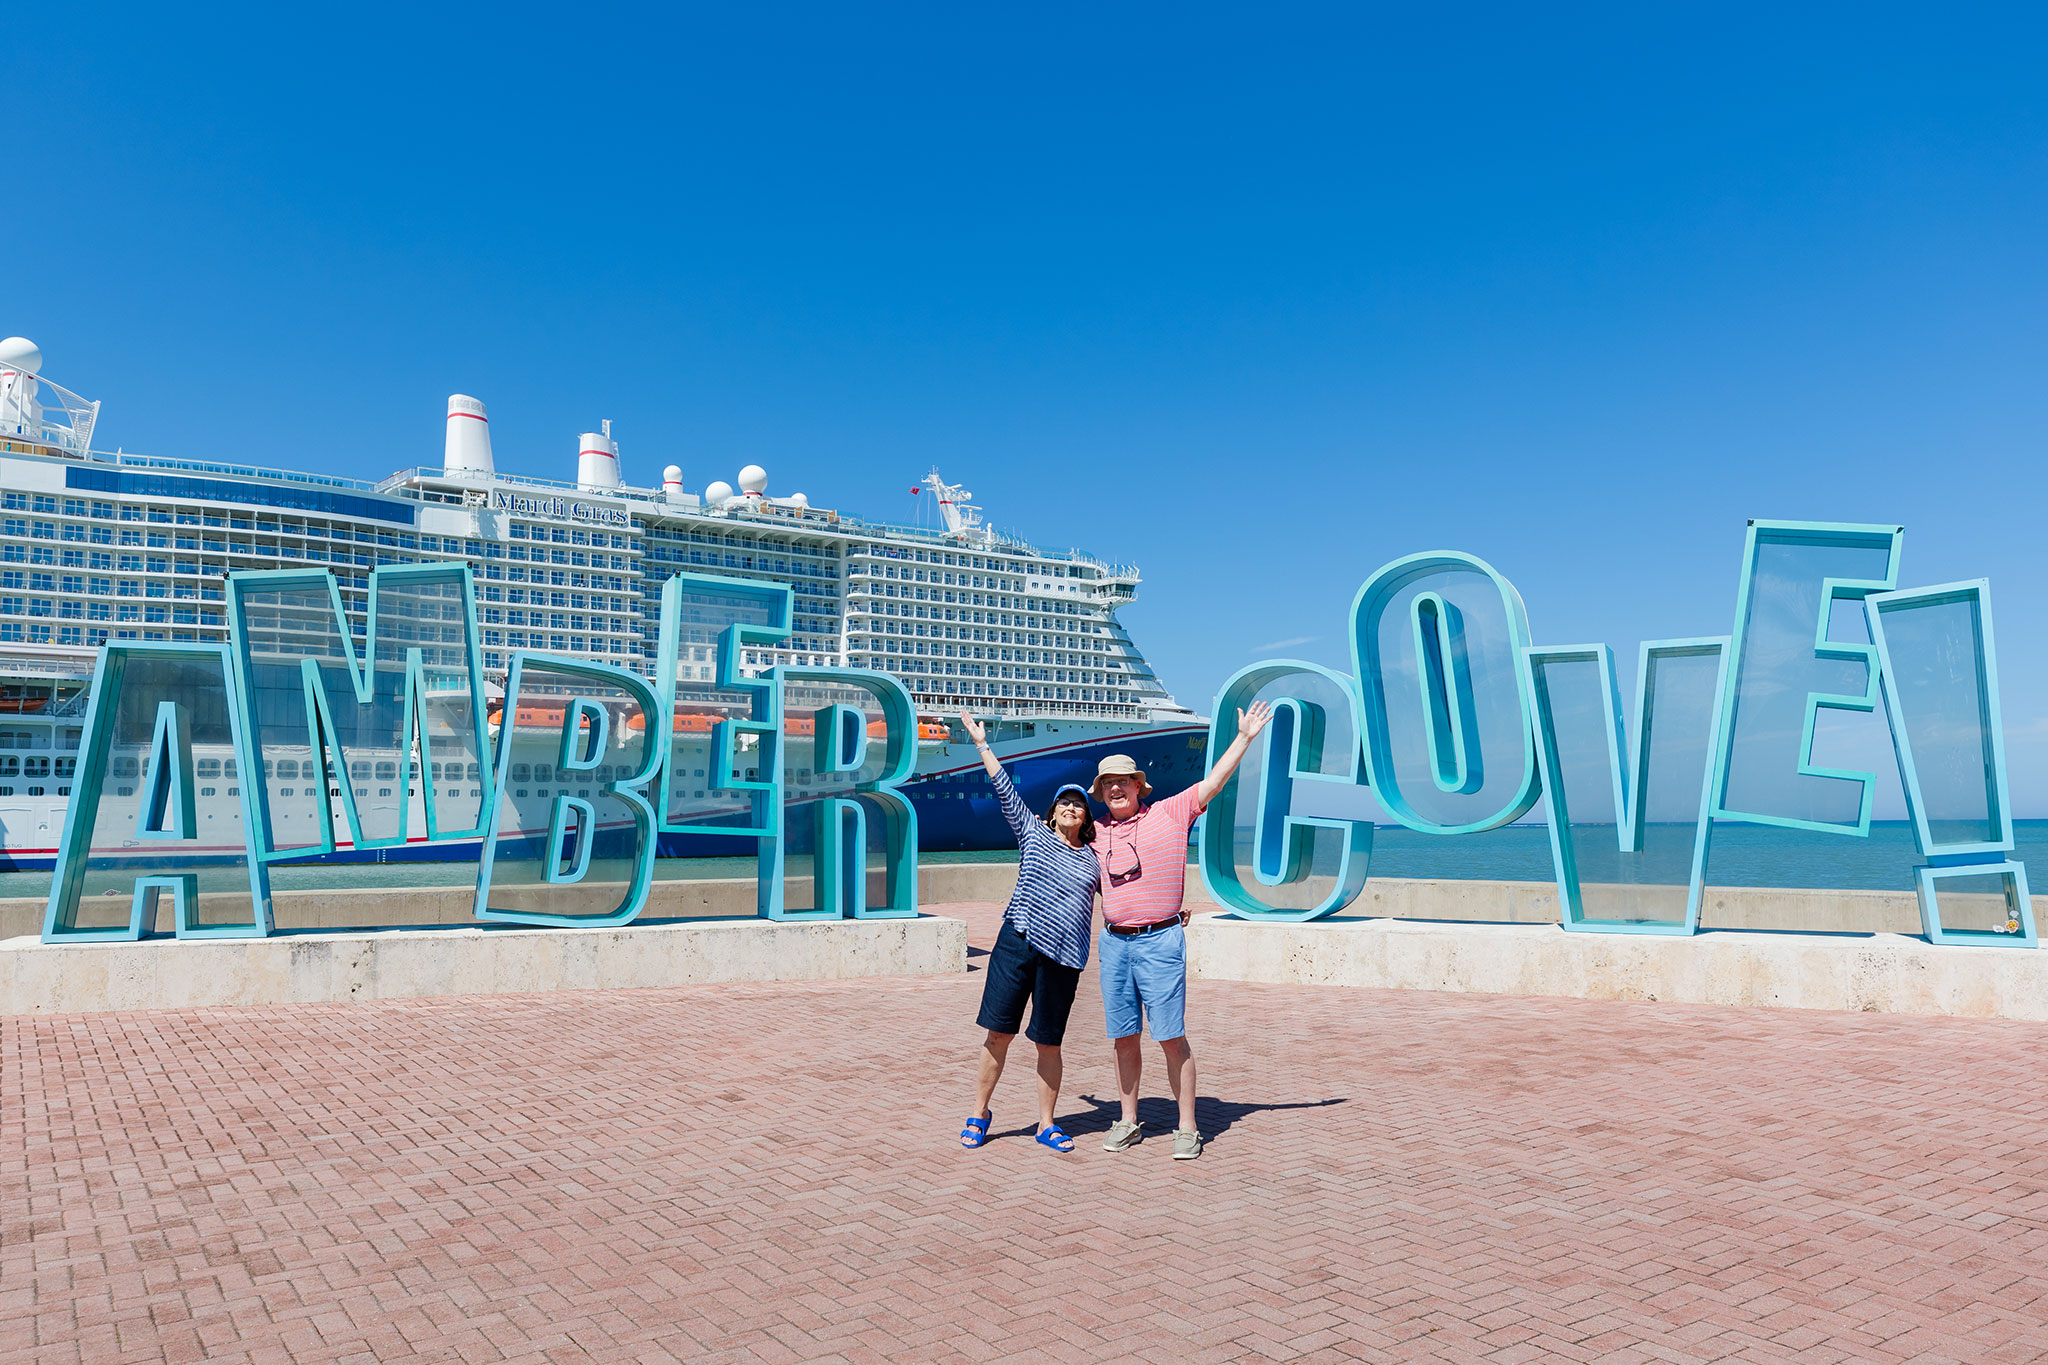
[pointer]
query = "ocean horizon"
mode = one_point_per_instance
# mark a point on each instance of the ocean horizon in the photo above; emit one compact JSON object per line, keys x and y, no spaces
{"x":1739,"y":855}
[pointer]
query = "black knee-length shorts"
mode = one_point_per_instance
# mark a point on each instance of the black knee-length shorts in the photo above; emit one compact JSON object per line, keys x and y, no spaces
{"x":1018,"y":972}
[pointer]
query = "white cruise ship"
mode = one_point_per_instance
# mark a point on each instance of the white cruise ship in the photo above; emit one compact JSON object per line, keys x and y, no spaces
{"x":98,"y":546}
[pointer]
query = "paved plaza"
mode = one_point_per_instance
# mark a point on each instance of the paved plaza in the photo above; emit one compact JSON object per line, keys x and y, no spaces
{"x":770,"y":1172}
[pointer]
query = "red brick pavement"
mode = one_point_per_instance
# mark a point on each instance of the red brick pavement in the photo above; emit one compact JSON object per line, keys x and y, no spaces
{"x":769,"y":1172}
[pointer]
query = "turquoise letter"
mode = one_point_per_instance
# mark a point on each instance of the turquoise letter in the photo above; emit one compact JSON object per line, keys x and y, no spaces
{"x":161,"y":715}
{"x":845,"y":783}
{"x":1788,"y":669}
{"x":1309,"y":863}
{"x":328,"y":728}
{"x":1436,"y":644}
{"x":577,"y":739}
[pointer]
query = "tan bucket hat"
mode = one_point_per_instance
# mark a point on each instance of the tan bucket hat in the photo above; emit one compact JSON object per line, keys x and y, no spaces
{"x":1120,"y":765}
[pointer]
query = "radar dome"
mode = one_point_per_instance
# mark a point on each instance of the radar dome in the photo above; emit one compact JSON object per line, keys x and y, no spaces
{"x":718,"y":494}
{"x":799,"y":502}
{"x":753,"y":479}
{"x":672,"y":474}
{"x":19,"y":353}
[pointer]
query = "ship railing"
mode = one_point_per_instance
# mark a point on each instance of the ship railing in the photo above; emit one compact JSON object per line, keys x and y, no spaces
{"x":982,"y":706}
{"x":241,"y":471}
{"x":810,"y":519}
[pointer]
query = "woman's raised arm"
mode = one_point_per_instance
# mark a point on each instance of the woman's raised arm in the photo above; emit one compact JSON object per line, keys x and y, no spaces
{"x":976,"y":733}
{"x":1022,"y":821}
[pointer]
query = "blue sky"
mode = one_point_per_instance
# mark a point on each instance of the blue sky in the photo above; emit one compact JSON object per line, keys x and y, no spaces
{"x":1258,"y":298}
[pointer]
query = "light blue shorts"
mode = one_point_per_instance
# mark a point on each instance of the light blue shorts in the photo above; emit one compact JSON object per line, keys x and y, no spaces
{"x":1147,"y":972}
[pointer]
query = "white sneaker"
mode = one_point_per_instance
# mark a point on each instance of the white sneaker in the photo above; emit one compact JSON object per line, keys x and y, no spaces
{"x":1123,"y":1136}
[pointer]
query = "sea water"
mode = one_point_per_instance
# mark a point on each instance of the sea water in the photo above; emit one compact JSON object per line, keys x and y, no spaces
{"x":1741,"y":855}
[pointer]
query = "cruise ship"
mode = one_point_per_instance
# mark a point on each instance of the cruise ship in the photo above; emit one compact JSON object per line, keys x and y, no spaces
{"x":98,"y":546}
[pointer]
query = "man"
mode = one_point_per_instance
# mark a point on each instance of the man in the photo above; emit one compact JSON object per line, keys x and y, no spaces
{"x":1143,"y":955}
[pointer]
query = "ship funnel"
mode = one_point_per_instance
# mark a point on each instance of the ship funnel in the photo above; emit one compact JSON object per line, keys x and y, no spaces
{"x":469,"y":437}
{"x":597,"y":459}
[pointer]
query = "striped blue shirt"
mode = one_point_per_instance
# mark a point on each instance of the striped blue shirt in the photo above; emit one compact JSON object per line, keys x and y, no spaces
{"x":1054,"y":903}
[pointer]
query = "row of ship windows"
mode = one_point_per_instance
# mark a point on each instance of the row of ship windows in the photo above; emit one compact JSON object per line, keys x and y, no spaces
{"x":45,"y":504}
{"x":976,"y":618}
{"x":886,"y":553}
{"x":906,"y":574}
{"x":361,"y":792}
{"x":283,"y":769}
{"x":573,"y":599}
{"x":1002,"y":663}
{"x":975,"y":599}
{"x":559,"y":535}
{"x":108,"y":561}
{"x":571,"y":644}
{"x":640,"y":652}
{"x":35,"y":791}
{"x":960,"y":679}
{"x":99,"y":611}
{"x":665,"y":531}
{"x":560,"y":620}
{"x":49,"y":505}
{"x":738,"y":559}
{"x":36,"y":739}
{"x":11,"y":766}
{"x":936,"y":630}
{"x":626,"y":617}
{"x":16,"y":529}
{"x":205,"y":519}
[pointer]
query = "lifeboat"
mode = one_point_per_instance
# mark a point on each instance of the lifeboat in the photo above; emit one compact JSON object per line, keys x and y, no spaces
{"x":548,"y":716}
{"x":687,"y":722}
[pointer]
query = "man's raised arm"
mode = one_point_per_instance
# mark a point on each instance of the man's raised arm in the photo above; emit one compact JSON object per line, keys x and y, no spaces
{"x":1249,"y":723}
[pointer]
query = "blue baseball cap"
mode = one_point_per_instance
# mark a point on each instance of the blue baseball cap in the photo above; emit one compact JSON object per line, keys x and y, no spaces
{"x":1074,"y":787}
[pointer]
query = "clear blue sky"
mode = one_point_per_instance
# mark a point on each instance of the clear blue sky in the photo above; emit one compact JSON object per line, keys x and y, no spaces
{"x":1259,"y":299}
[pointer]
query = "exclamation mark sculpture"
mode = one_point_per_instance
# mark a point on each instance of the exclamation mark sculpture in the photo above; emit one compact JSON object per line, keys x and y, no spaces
{"x":1940,"y":678}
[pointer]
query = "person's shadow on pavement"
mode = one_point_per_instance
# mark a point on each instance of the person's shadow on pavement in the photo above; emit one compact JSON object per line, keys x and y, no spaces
{"x":1159,"y":1114}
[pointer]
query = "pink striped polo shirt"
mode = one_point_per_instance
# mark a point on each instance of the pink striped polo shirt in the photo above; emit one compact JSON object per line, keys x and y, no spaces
{"x":1145,"y":860}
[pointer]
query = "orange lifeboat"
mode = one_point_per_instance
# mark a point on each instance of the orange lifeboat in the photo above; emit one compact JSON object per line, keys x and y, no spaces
{"x":687,"y":722}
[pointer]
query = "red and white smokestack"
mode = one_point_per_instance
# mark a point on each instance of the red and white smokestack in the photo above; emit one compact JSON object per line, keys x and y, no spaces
{"x":469,"y":437}
{"x":597,"y":459}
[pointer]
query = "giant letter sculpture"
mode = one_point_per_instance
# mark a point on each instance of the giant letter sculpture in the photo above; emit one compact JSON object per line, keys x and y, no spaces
{"x":1635,"y":819}
{"x":1940,"y":677}
{"x":845,"y":781}
{"x":1788,"y":667}
{"x":161,"y":715}
{"x":722,"y":770}
{"x":330,"y":730}
{"x":578,"y":744}
{"x":1436,"y":644}
{"x":1307,"y":859}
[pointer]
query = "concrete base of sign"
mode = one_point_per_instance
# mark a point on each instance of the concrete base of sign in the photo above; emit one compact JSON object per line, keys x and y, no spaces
{"x":399,"y":964}
{"x":1743,"y":907}
{"x":1886,"y":973}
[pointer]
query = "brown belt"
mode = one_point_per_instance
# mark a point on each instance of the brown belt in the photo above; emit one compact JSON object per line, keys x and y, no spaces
{"x":1142,"y":928}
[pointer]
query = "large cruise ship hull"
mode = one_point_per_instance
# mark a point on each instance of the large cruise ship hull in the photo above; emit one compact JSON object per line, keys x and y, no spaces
{"x":956,"y":808}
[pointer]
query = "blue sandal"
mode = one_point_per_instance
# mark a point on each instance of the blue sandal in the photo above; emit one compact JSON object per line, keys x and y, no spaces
{"x":976,"y":1131}
{"x":1052,"y":1137}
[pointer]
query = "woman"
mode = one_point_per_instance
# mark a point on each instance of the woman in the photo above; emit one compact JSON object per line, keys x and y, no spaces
{"x":1043,"y":944}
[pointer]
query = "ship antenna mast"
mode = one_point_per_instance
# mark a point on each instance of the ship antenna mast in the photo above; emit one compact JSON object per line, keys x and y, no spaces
{"x":956,"y":510}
